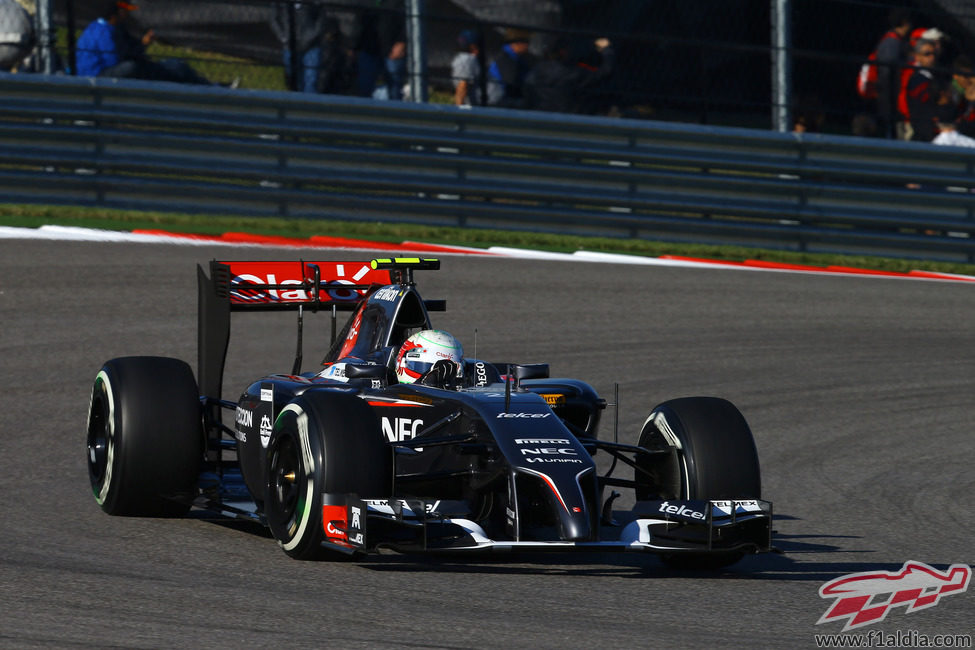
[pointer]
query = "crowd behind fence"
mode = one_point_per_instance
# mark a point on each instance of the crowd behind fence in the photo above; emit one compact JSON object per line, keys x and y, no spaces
{"x":699,"y":62}
{"x":165,"y":147}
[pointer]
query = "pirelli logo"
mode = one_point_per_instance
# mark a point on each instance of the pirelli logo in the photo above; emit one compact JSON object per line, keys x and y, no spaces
{"x":554,"y":399}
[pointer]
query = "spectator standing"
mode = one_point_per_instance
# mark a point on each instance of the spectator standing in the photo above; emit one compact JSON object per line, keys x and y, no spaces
{"x":465,"y":69}
{"x":924,"y":95}
{"x":392,"y":37}
{"x":303,"y":25}
{"x":380,"y":46}
{"x":507,"y":73}
{"x":559,"y":84}
{"x":934,"y":35}
{"x":16,"y":34}
{"x":336,"y":72}
{"x":107,"y":49}
{"x":963,"y":84}
{"x":892,"y":55}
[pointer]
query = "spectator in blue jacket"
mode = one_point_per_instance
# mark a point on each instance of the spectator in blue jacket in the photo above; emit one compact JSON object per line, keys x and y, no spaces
{"x":507,"y":73}
{"x":107,"y":49}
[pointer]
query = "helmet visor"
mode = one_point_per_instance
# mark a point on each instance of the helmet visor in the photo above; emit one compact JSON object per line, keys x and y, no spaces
{"x":416,"y":368}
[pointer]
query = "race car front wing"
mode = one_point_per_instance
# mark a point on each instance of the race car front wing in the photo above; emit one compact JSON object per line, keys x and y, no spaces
{"x":666,"y":527}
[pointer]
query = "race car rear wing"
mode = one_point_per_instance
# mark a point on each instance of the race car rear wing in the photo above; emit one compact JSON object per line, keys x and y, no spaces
{"x":271,"y":286}
{"x":284,"y":285}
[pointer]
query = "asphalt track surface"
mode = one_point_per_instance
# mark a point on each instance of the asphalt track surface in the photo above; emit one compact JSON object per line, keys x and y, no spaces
{"x":859,"y":392}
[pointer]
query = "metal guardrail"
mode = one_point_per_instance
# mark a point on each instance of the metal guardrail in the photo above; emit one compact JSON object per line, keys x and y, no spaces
{"x":155,"y":146}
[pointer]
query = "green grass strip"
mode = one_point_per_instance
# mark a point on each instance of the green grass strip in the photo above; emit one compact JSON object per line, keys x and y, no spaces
{"x":33,"y":216}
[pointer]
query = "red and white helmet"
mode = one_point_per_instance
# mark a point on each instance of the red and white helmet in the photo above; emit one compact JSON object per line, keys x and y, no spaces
{"x":418,"y":354}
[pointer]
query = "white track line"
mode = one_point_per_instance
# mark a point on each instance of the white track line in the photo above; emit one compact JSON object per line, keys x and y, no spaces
{"x":70,"y":233}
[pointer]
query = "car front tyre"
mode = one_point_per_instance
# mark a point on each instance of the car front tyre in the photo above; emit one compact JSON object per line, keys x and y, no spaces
{"x":716,"y":459}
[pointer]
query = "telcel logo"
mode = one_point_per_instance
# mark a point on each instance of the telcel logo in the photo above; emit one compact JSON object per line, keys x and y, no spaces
{"x":523,"y":416}
{"x":682,"y":510}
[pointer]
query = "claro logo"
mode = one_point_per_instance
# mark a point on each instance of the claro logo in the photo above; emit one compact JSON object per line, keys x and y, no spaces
{"x":241,"y":292}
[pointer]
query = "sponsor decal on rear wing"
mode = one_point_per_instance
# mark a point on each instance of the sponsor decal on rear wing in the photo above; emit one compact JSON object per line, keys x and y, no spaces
{"x":288,"y":284}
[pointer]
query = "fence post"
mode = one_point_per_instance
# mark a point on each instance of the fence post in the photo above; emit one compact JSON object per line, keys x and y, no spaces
{"x":416,"y":50}
{"x":294,"y":56}
{"x":781,"y":65}
{"x":72,"y":62}
{"x":45,"y":36}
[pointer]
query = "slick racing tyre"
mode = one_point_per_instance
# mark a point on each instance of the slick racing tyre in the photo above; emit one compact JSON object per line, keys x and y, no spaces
{"x":321,"y":442}
{"x":145,"y":437}
{"x":715,"y":459}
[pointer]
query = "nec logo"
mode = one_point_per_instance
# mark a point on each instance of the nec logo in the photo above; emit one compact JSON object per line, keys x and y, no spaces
{"x":400,"y":429}
{"x":916,"y":586}
{"x":548,"y":451}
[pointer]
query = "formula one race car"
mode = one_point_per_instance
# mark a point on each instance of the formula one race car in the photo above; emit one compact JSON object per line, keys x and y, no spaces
{"x":468,"y":455}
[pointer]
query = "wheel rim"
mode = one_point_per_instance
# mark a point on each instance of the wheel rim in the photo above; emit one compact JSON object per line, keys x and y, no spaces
{"x":286,"y":475}
{"x":652,"y":438}
{"x":99,"y":443}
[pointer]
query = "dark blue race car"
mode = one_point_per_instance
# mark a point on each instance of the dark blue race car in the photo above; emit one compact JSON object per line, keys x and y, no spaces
{"x":471,"y":455}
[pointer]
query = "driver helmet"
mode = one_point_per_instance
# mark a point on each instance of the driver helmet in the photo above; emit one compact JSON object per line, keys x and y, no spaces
{"x":418,"y":354}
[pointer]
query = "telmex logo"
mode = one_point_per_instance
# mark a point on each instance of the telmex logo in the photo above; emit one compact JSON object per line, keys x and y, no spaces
{"x":916,"y":586}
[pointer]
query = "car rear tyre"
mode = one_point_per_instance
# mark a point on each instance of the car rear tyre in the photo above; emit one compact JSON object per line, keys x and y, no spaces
{"x":145,"y":437}
{"x":715,"y":459}
{"x":321,"y":442}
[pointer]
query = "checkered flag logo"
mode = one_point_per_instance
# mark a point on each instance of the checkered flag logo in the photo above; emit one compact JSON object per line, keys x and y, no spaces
{"x":865,"y":598}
